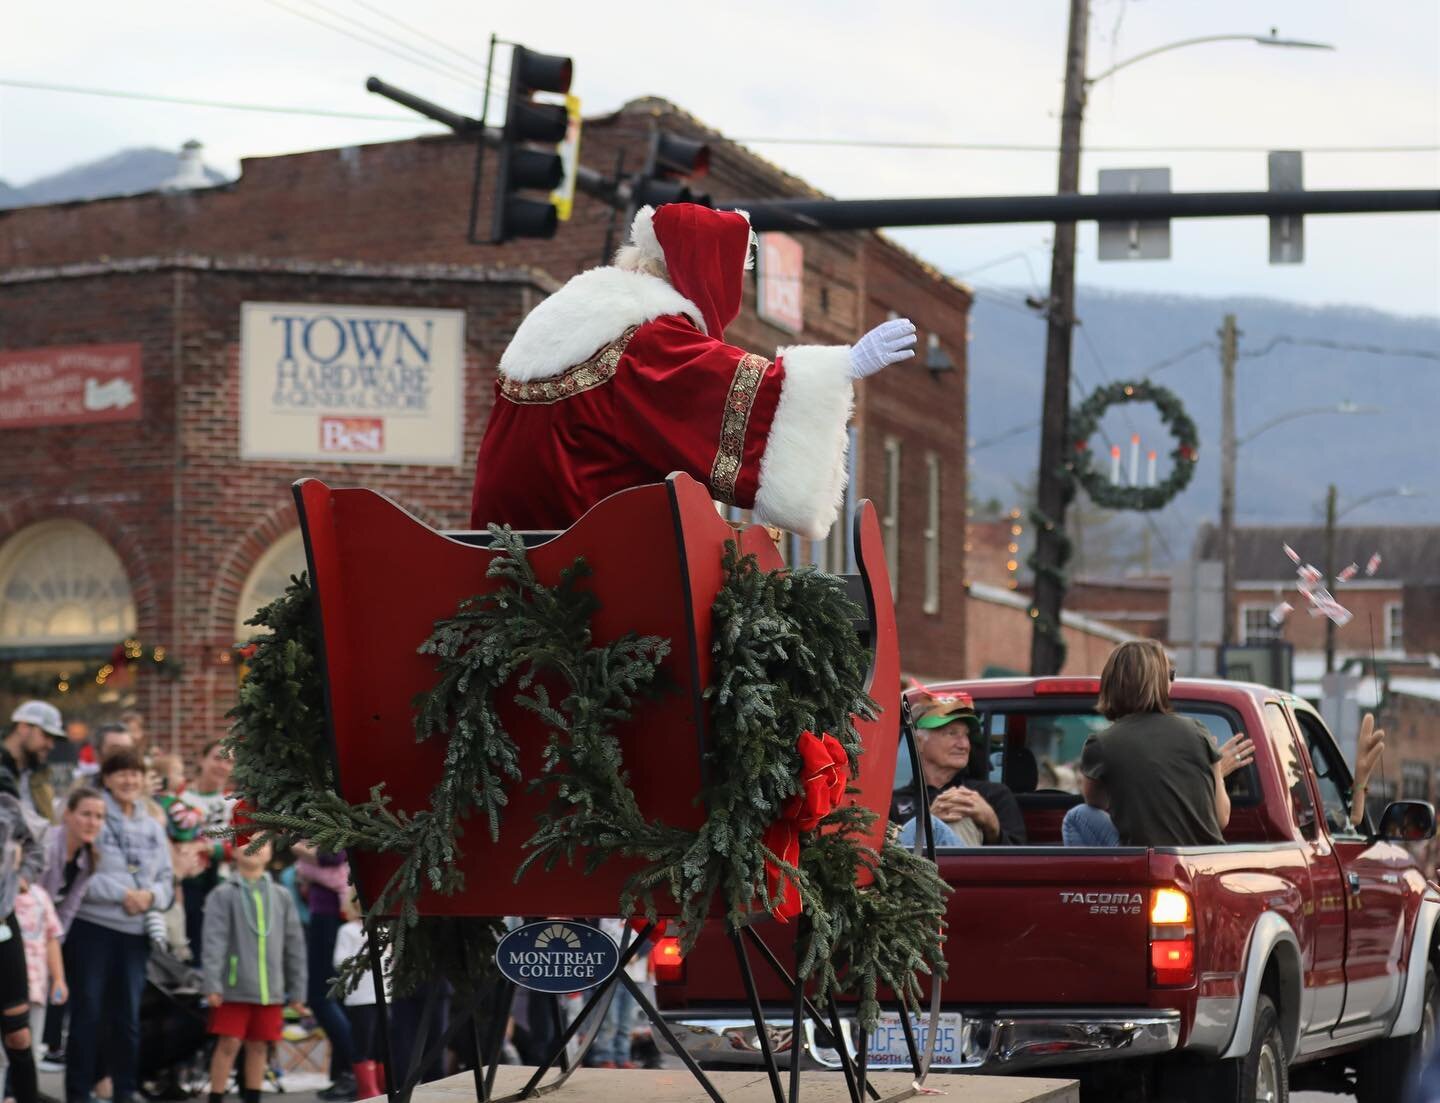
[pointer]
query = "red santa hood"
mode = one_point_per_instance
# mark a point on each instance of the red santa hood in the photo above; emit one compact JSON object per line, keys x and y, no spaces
{"x":705,"y":252}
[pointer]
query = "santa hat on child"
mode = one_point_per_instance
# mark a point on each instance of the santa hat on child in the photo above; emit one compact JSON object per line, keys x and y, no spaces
{"x":240,"y":818}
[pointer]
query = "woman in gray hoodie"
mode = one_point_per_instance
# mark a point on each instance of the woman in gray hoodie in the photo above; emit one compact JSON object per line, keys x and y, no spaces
{"x":107,"y":941}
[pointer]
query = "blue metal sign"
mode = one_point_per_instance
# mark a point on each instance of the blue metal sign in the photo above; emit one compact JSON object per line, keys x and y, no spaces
{"x":557,"y":955}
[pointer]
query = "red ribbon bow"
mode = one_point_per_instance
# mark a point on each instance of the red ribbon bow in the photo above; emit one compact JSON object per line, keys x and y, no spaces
{"x":824,"y":773}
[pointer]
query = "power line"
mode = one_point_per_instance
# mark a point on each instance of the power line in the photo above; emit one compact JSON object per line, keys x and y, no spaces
{"x":1020,"y":147}
{"x":1171,"y":361}
{"x":1341,"y":346}
{"x":389,"y":47}
{"x":417,"y":32}
{"x":275,"y":109}
{"x":470,"y":72}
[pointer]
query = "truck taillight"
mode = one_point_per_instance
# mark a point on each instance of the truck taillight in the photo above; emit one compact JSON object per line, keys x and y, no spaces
{"x":668,"y":961}
{"x":1172,"y":938}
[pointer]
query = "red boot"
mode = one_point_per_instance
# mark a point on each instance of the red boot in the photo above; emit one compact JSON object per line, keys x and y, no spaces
{"x":367,"y":1085}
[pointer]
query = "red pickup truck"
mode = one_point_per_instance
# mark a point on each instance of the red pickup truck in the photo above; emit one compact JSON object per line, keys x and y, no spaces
{"x":1303,"y":952}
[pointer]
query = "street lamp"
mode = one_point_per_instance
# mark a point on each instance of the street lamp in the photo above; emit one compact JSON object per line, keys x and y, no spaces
{"x":1338,"y":408}
{"x":1332,"y":516}
{"x":1271,"y":39}
{"x":1045,"y":645}
{"x":1230,"y":446}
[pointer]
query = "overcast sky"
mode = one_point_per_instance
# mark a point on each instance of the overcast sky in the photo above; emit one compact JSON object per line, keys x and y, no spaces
{"x":960,"y":71}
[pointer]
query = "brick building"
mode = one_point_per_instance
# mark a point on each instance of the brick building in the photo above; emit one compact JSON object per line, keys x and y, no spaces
{"x":1409,"y":571}
{"x":1139,"y":605}
{"x":153,"y":522}
{"x":997,"y":616}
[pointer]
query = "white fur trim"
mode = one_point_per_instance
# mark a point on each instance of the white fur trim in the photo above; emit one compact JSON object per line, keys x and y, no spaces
{"x":803,"y":473}
{"x":589,"y":312}
{"x":642,"y":233}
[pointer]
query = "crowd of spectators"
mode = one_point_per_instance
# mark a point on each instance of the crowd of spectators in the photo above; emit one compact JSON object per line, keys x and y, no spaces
{"x":113,"y":855}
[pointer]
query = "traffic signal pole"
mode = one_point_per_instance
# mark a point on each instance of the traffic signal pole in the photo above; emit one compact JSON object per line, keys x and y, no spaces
{"x":818,"y":215}
{"x":1052,"y":546}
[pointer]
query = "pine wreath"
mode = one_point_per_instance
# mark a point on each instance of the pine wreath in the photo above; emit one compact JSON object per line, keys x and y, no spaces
{"x":1084,"y":422}
{"x":787,"y":661}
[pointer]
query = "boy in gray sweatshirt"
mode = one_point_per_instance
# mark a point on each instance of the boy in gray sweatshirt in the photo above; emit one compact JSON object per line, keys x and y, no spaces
{"x":254,"y":964}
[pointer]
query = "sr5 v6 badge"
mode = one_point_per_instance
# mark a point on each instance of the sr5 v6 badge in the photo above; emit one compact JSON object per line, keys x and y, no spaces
{"x":1105,"y":903}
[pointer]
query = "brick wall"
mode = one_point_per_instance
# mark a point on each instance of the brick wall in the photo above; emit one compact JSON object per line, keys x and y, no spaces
{"x":1366,"y":602}
{"x":925,"y":411}
{"x":187,"y":518}
{"x":1412,"y":750}
{"x":1422,"y":618}
{"x":988,"y":554}
{"x":999,"y":639}
{"x":1140,"y":606}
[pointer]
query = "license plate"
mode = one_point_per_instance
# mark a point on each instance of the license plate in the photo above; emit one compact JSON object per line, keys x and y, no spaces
{"x":886,"y":1048}
{"x":887,"y":1041}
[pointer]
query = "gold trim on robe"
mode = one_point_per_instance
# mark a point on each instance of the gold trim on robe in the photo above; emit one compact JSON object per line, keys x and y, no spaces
{"x":743,"y":388}
{"x":595,"y":372}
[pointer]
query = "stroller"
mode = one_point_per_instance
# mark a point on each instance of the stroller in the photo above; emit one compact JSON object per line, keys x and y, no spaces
{"x":173,"y":1018}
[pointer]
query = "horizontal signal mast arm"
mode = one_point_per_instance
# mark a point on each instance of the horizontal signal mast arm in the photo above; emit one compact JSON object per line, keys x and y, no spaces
{"x":802,"y":215}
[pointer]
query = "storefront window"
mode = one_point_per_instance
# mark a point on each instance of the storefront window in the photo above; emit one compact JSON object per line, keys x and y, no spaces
{"x":286,"y":557}
{"x":62,"y":585}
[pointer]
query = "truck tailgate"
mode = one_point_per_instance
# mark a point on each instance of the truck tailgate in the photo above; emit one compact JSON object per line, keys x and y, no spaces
{"x":1048,"y":926}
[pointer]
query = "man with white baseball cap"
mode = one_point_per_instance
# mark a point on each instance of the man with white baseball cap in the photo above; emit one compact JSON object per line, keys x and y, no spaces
{"x":35,"y":726}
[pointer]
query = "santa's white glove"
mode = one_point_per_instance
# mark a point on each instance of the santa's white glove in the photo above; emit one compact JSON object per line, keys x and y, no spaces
{"x":886,"y":344}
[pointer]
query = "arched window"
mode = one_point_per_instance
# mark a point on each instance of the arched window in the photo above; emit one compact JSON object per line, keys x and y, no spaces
{"x":268,"y":580}
{"x":61,"y":584}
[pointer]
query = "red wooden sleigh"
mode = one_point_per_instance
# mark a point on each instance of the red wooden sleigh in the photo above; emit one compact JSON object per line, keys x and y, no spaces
{"x":382,"y":578}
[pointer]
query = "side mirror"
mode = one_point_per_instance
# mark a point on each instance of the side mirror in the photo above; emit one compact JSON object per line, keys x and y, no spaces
{"x":1407,"y":821}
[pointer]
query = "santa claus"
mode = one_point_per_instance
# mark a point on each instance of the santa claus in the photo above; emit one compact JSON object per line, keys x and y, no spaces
{"x":623,"y":376}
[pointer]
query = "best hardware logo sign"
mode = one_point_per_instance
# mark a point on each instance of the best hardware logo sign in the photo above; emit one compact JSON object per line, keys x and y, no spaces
{"x":557,"y":957}
{"x":351,"y":383}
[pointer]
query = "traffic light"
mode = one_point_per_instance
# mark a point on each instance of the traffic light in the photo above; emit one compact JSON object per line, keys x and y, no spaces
{"x":522,"y":167}
{"x":670,"y":160}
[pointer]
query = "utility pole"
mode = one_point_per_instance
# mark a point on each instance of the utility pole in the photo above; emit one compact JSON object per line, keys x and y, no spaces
{"x":1046,"y":646}
{"x":1330,"y":497}
{"x":1229,"y":338}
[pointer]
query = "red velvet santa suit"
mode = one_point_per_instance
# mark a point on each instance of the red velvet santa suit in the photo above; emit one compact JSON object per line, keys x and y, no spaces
{"x":620,"y":378}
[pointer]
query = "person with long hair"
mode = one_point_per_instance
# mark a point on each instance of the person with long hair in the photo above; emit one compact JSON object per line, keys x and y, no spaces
{"x":1164,"y":775}
{"x":107,"y":940}
{"x":69,"y":863}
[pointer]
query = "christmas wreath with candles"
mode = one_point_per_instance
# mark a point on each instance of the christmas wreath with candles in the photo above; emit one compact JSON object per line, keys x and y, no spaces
{"x":789,"y":676}
{"x":1103,"y":492}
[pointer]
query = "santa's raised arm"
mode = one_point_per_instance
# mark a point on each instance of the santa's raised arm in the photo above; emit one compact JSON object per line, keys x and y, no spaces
{"x":623,"y":376}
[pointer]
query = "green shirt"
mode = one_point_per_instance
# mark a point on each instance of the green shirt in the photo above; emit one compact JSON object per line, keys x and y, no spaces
{"x":1157,"y":769}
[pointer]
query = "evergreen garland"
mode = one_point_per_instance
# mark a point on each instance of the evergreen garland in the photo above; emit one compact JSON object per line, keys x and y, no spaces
{"x":787,"y":660}
{"x":285,"y":771}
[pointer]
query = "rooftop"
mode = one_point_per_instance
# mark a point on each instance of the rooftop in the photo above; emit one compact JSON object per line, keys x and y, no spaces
{"x":1408,"y":553}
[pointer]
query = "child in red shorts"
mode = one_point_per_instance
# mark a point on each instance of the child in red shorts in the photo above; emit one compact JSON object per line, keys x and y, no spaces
{"x":254,"y":964}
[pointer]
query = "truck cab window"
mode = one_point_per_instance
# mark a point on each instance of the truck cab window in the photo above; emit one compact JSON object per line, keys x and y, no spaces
{"x":1292,"y":769}
{"x":1332,"y":776}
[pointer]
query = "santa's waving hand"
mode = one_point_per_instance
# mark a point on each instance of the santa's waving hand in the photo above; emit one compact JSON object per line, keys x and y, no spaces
{"x":886,"y":344}
{"x":623,"y":376}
